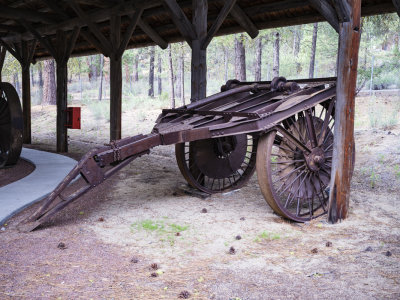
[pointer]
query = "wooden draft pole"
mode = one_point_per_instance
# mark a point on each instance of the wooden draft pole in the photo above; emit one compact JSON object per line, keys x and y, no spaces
{"x":349,"y":14}
{"x":23,"y":52}
{"x":198,"y":38}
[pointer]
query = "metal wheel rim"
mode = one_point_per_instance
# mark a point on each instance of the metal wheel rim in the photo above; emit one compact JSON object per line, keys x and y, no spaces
{"x":208,"y":185}
{"x":11,"y":125}
{"x":313,"y":200}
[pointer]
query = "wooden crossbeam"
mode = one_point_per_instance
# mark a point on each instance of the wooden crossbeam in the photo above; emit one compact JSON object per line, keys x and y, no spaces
{"x":327,"y":11}
{"x":244,"y":21}
{"x":218,"y":22}
{"x":43,"y":40}
{"x":92,"y":26}
{"x":152,"y":34}
{"x":71,"y":43}
{"x":129,"y":31}
{"x":343,"y":10}
{"x":26,"y":14}
{"x":180,"y":20}
{"x":396,"y":4}
{"x":12,"y":51}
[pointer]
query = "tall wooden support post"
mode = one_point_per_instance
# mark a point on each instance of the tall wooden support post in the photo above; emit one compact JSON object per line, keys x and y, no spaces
{"x":199,"y":54}
{"x":2,"y":58}
{"x":23,"y":52}
{"x":115,"y":80}
{"x":26,"y":92}
{"x":342,"y":163}
{"x":62,"y":93}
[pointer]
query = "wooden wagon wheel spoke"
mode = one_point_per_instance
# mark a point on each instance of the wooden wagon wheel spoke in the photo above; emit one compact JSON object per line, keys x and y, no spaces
{"x":218,"y":165}
{"x":294,"y":164}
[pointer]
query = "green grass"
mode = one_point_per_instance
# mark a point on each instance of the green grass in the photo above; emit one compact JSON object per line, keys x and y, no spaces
{"x":164,"y":230}
{"x":266,"y":235}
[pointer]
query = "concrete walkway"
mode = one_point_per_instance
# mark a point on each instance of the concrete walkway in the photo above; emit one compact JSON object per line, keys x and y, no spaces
{"x":50,"y":170}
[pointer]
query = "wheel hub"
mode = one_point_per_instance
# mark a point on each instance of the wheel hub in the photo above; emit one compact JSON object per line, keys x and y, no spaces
{"x":315,"y":159}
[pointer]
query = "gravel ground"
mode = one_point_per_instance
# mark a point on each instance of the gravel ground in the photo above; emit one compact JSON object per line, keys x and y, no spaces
{"x":20,"y":170}
{"x":120,"y":241}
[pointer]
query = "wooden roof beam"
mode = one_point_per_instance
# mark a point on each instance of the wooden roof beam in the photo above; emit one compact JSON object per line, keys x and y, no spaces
{"x":180,"y":20}
{"x":244,"y":21}
{"x":134,"y":19}
{"x":396,"y":4}
{"x":153,"y":34}
{"x":96,"y":15}
{"x":43,"y":40}
{"x":13,"y":51}
{"x":218,"y":22}
{"x":327,"y":11}
{"x":343,"y":10}
{"x":8,"y":12}
{"x":93,"y":27}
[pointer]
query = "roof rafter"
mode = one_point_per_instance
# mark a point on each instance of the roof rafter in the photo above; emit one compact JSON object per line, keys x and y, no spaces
{"x":327,"y":11}
{"x":244,"y":21}
{"x":396,"y":4}
{"x":153,"y":34}
{"x":181,"y":21}
{"x":218,"y":22}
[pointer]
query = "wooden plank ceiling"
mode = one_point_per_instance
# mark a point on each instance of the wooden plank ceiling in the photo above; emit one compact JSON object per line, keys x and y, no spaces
{"x":34,"y":19}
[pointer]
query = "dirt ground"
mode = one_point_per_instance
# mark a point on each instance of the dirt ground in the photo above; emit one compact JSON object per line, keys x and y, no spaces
{"x":13,"y":173}
{"x":121,"y":241}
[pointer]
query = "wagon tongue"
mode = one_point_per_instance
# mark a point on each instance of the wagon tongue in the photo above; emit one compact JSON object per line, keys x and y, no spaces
{"x":92,"y":169}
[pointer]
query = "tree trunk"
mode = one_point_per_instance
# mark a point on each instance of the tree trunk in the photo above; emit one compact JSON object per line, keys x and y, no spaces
{"x":226,"y":63}
{"x":257,"y":64}
{"x":240,"y":59}
{"x":275,"y":69}
{"x":49,"y":87}
{"x":313,"y":49}
{"x":32,"y":77}
{"x":159,"y":75}
{"x":296,"y":46}
{"x":182,"y":74}
{"x":136,"y":68}
{"x":101,"y":77}
{"x":171,"y":77}
{"x":40,"y":74}
{"x":40,"y":80}
{"x":151,"y":73}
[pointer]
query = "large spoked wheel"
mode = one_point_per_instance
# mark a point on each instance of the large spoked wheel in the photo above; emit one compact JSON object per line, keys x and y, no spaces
{"x":218,"y":165}
{"x":11,"y":124}
{"x":294,"y":164}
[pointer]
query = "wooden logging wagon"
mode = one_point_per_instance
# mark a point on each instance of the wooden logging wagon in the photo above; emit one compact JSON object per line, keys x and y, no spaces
{"x":283,"y":129}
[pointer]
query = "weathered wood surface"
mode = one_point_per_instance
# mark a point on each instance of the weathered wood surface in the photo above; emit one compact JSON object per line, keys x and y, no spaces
{"x":2,"y":58}
{"x":325,"y":9}
{"x":342,"y":163}
{"x":199,"y":55}
{"x":115,"y":81}
{"x":26,"y":92}
{"x":396,"y":4}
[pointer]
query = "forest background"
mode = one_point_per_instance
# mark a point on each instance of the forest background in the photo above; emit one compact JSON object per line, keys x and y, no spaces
{"x":303,"y":51}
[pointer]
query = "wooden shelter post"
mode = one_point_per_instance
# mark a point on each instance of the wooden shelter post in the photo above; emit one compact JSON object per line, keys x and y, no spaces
{"x":342,"y":163}
{"x":115,"y":80}
{"x":2,"y":58}
{"x":23,"y":52}
{"x":199,"y":53}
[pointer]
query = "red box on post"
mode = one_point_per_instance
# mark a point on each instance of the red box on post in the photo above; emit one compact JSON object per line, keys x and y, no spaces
{"x":73,"y":118}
